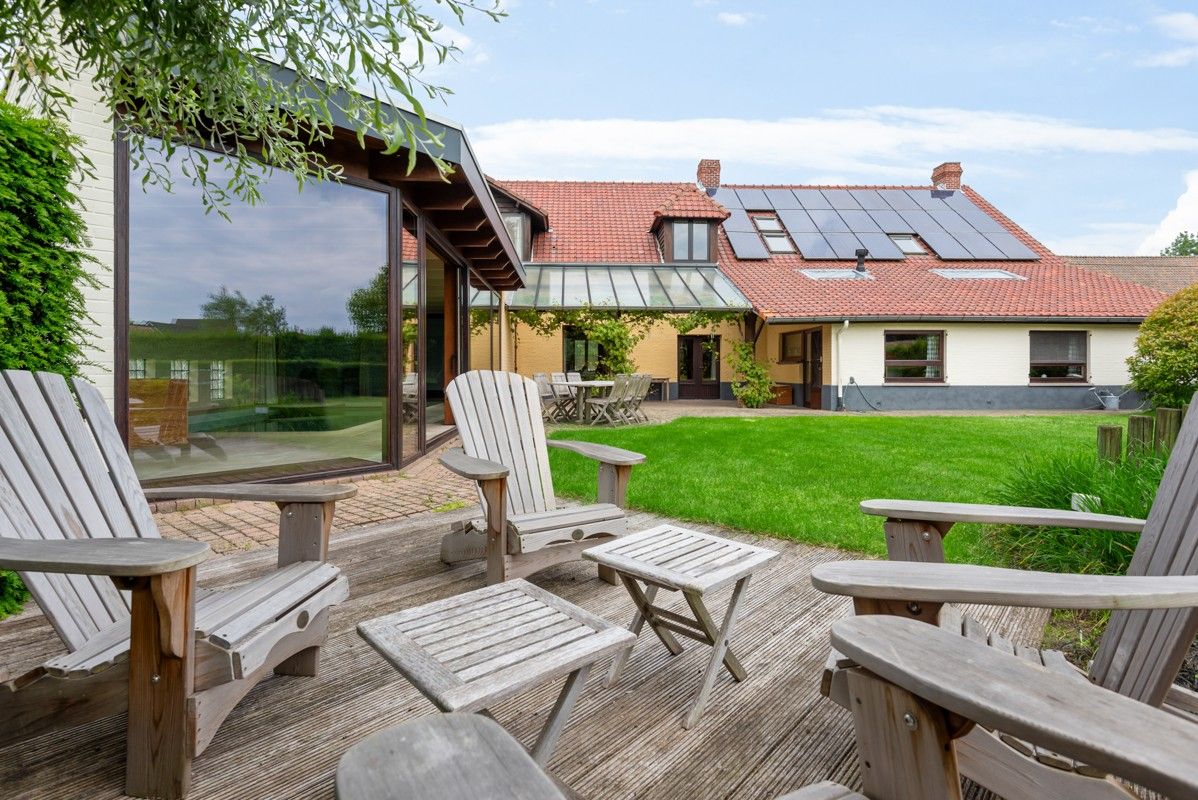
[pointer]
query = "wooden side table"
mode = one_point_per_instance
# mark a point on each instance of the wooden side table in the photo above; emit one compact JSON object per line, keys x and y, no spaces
{"x":470,"y":651}
{"x":678,"y":559}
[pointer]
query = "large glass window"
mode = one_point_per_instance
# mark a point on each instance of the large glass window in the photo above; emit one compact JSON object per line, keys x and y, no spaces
{"x":581,"y":354}
{"x":914,"y":356}
{"x":258,"y":345}
{"x":690,"y":240}
{"x":1058,"y":356}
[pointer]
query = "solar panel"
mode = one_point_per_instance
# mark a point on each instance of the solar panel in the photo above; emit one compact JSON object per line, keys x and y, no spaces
{"x":922,"y":223}
{"x":1010,"y":246}
{"x":869,"y":199}
{"x":859,"y":221}
{"x":927,"y":198}
{"x":746,"y":245}
{"x":898,"y":199}
{"x":978,"y":245}
{"x":828,"y":220}
{"x":780,"y":199}
{"x":727,"y":198}
{"x":980,"y":220}
{"x":796,"y":221}
{"x":845,"y":245}
{"x":946,"y":246}
{"x":753,"y":199}
{"x":890,"y":221}
{"x":880,"y":246}
{"x":811,"y":199}
{"x":738,"y":220}
{"x":840,"y":198}
{"x":813,"y":245}
{"x":950,"y":220}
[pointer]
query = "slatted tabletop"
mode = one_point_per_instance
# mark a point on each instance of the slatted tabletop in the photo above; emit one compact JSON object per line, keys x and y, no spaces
{"x":678,"y":558}
{"x":468,"y":652}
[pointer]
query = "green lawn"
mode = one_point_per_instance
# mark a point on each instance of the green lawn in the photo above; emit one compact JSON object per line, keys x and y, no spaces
{"x":802,"y":477}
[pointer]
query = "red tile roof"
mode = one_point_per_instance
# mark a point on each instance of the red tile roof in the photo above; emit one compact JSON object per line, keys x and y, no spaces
{"x":1168,"y":274}
{"x":906,"y":289}
{"x":607,"y":221}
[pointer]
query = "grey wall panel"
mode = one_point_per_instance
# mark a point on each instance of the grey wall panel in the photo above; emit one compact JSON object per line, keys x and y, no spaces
{"x":796,"y":221}
{"x":892,"y":397}
{"x":747,"y":246}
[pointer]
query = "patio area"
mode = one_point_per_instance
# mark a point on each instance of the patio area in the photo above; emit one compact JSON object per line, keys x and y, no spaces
{"x":759,"y":739}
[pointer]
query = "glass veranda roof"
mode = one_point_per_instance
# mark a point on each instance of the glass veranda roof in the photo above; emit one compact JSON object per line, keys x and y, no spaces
{"x":626,"y":287}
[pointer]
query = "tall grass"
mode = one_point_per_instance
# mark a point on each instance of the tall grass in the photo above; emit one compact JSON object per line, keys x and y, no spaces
{"x":1125,"y":489}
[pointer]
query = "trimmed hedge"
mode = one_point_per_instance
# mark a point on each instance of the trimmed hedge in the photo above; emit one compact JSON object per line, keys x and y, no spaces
{"x":43,"y":268}
{"x":1165,"y":364}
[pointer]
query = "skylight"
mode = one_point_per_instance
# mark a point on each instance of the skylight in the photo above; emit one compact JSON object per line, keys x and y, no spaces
{"x":836,"y":275}
{"x":907,"y":243}
{"x":978,"y":275}
{"x":772,"y":233}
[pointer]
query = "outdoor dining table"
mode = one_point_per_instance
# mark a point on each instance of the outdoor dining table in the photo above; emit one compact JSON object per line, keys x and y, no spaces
{"x":580,"y":394}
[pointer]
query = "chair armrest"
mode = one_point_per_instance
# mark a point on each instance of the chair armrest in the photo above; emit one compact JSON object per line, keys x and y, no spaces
{"x":599,"y":452}
{"x":267,"y":492}
{"x":476,"y":469}
{"x":1131,"y":739}
{"x":119,"y":558}
{"x":929,"y":511}
{"x":967,"y":583}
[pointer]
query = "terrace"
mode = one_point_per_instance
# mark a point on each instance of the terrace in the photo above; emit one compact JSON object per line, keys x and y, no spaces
{"x":761,"y":738}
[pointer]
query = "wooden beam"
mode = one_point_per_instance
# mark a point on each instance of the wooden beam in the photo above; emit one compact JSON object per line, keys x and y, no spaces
{"x":395,"y":168}
{"x":481,"y":239}
{"x":444,"y":199}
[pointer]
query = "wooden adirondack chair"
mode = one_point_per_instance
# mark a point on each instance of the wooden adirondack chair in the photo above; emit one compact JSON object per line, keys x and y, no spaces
{"x":1152,"y":626}
{"x":504,"y":449}
{"x":73,"y":519}
{"x":916,"y":690}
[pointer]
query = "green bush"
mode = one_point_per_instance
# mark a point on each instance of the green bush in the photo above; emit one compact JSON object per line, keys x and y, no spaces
{"x":1125,"y":489}
{"x":1165,"y":364}
{"x":43,"y":268}
{"x":753,"y":387}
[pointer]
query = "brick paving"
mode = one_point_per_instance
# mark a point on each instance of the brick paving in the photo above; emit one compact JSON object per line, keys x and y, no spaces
{"x":420,"y":487}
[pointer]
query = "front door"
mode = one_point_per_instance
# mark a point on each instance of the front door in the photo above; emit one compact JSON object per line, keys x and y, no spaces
{"x":813,"y":368}
{"x":698,"y":368}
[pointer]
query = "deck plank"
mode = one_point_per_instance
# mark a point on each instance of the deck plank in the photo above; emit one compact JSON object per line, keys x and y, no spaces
{"x":758,"y":739}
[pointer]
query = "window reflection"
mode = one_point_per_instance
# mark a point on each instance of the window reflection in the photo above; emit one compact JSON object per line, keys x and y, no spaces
{"x":258,"y":344}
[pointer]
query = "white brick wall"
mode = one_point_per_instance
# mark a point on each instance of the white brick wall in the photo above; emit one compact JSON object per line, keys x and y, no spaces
{"x":984,"y":354}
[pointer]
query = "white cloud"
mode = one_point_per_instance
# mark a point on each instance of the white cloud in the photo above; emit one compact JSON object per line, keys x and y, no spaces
{"x":1102,"y":239}
{"x":733,"y":18}
{"x":1183,"y":217}
{"x":893,"y":143}
{"x":1181,"y":26}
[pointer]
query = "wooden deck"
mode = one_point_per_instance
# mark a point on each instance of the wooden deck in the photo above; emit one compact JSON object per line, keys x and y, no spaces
{"x":758,"y":739}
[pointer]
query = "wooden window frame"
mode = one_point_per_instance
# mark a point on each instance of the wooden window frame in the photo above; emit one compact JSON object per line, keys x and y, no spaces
{"x":782,"y":357}
{"x":1085,"y":362}
{"x":917,"y":362}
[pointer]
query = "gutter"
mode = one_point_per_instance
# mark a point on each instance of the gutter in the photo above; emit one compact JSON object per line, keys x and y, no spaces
{"x":948,"y":318}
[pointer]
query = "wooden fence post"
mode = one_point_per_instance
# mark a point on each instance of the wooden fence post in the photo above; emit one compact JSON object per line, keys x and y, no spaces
{"x":1168,"y":423}
{"x":1139,"y":435}
{"x":1110,"y":443}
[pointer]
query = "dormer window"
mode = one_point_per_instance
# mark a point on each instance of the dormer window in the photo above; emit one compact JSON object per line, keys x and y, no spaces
{"x":690,"y":240}
{"x":908,"y":244}
{"x":773,"y":235}
{"x":519,"y":229}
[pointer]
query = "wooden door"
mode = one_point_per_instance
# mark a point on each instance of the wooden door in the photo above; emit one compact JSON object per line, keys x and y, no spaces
{"x":698,"y":368}
{"x":813,"y":368}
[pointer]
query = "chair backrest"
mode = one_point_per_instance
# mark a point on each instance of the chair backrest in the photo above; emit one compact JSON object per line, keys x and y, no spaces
{"x":498,"y":415}
{"x":543,"y":385}
{"x":573,"y":376}
{"x":560,"y":391}
{"x":65,"y":474}
{"x":1141,"y":651}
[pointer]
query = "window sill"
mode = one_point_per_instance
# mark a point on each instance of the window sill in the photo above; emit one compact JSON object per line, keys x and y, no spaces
{"x":914,"y":382}
{"x":1077,"y":384}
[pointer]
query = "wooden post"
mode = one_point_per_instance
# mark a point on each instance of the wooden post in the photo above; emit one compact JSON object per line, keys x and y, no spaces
{"x":304,"y":530}
{"x":1168,"y":424}
{"x":1139,"y":435}
{"x":1110,"y":443}
{"x":495,"y":495}
{"x":160,"y":739}
{"x":613,"y":488}
{"x":912,"y":540}
{"x":904,"y":743}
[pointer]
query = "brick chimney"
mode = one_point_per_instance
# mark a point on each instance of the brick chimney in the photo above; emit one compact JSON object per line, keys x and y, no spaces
{"x":947,"y":175}
{"x":708,"y":174}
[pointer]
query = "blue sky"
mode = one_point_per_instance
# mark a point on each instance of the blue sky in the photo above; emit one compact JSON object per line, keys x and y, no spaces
{"x":1077,"y":119}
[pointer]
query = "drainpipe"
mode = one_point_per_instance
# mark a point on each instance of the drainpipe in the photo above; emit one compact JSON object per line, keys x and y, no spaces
{"x":838,"y":369}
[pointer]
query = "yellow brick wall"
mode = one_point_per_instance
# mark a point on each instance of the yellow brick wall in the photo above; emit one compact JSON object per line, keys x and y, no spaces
{"x":769,"y":344}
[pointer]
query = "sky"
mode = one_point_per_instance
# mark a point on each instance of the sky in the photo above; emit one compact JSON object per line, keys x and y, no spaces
{"x":1076,"y":119}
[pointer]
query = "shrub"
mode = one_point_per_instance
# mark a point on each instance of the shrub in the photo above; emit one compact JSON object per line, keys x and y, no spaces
{"x":1165,"y":364}
{"x":1126,"y":489}
{"x":754,"y":387}
{"x":43,"y":268}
